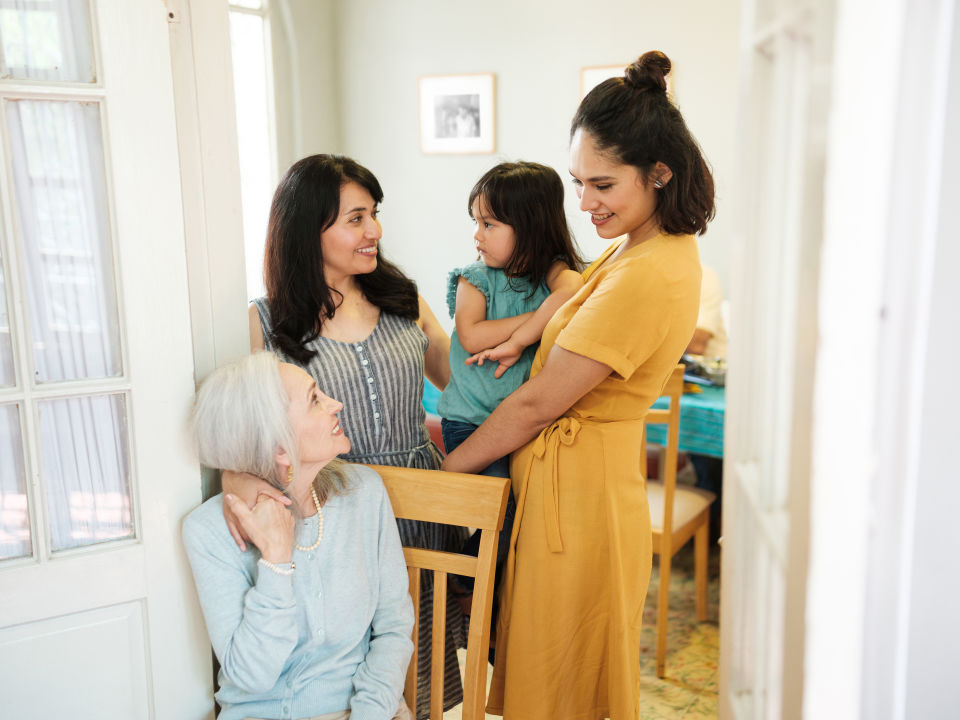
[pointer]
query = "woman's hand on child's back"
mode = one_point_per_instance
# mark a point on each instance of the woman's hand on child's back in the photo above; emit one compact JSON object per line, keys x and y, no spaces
{"x":506,"y":353}
{"x":248,"y":488}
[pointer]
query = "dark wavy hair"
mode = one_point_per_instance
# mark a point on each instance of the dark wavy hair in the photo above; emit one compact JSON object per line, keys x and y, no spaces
{"x":528,"y":197}
{"x":633,"y":121}
{"x":306,"y":202}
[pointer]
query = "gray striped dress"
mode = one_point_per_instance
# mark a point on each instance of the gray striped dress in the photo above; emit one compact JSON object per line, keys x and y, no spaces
{"x":379,"y":380}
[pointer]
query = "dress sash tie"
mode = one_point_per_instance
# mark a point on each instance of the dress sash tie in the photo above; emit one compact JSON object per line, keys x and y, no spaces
{"x":564,"y":431}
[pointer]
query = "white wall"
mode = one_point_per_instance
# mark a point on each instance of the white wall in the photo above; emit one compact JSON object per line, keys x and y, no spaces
{"x":306,"y":78}
{"x":536,"y":49}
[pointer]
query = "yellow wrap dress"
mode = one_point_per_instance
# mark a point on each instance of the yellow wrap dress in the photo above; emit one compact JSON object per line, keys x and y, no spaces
{"x":580,"y":555}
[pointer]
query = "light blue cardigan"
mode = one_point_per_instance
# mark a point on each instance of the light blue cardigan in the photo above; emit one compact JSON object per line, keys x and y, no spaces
{"x":334,"y":636}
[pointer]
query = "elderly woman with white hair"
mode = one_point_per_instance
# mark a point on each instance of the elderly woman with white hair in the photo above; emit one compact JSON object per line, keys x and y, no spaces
{"x":315,"y":620}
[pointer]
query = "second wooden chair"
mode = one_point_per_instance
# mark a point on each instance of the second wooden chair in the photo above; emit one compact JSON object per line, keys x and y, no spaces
{"x":677,"y":514}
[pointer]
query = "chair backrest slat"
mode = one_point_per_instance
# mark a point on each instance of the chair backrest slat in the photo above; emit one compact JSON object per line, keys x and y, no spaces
{"x":443,"y":561}
{"x":410,"y":684}
{"x":437,"y":651}
{"x":668,"y":456}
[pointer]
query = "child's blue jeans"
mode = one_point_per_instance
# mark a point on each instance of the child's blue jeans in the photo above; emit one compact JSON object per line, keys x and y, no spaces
{"x":455,"y":432}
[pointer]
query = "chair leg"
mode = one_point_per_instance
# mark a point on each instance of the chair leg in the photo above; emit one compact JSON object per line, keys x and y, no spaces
{"x":663,"y":605}
{"x":700,"y":548}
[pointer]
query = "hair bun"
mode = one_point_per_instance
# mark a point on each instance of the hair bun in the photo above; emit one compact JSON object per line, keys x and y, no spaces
{"x":648,"y":72}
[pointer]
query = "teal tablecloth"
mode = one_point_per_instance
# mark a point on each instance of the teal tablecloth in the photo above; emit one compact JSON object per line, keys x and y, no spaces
{"x":701,"y":422}
{"x":701,"y":419}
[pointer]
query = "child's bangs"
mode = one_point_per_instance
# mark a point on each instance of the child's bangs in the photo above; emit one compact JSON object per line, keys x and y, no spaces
{"x":488,"y":207}
{"x":495,"y":200}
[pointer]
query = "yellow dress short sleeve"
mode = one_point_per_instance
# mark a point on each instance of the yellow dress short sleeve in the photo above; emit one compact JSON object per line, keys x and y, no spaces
{"x":622,"y":322}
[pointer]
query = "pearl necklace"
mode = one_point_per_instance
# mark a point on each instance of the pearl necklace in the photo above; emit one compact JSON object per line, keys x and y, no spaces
{"x":316,"y":501}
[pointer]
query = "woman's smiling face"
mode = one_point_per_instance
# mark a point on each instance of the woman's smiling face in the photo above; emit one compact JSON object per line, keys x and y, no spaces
{"x":618,"y":199}
{"x":313,"y":417}
{"x":349,"y":245}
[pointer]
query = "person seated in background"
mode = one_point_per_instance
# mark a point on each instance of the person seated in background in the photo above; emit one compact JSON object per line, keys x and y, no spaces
{"x":710,"y":336}
{"x":313,"y":619}
{"x":710,"y":341}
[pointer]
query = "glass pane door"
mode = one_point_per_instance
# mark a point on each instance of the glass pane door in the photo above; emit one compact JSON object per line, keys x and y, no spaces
{"x":64,"y":403}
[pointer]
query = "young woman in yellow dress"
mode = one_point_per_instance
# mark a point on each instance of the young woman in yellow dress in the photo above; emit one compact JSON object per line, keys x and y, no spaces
{"x":581,"y":550}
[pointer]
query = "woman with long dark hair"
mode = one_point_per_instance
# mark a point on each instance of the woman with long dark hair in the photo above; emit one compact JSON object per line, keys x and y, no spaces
{"x":341,"y":311}
{"x":581,"y":549}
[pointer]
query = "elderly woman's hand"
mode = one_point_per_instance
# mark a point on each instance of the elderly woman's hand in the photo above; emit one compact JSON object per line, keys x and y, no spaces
{"x":269,"y":525}
{"x":248,"y":488}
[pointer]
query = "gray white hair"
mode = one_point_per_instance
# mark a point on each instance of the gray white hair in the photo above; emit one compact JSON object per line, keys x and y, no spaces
{"x":239,"y":422}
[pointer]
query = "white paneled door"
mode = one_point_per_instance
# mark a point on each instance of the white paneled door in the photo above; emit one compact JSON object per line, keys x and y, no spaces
{"x":98,"y":617}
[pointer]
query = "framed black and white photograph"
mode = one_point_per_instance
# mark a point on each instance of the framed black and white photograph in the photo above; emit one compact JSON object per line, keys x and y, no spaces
{"x":590,"y":77}
{"x":457,"y":113}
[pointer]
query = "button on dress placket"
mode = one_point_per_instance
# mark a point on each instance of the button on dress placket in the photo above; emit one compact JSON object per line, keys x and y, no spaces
{"x":371,"y":387}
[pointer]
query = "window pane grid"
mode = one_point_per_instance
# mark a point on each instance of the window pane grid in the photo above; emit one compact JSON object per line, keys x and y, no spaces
{"x":74,"y":441}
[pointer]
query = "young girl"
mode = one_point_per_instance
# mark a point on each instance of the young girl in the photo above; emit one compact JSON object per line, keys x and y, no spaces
{"x":528,"y":268}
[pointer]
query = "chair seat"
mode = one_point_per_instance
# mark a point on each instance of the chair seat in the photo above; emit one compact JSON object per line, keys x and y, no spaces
{"x":688,"y":502}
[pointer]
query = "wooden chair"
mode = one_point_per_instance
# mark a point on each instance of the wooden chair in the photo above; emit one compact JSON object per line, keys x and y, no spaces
{"x":454,"y":499}
{"x":676,"y":514}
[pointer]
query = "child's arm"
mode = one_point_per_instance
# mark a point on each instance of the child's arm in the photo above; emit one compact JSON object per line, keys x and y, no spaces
{"x":474,"y":331}
{"x":564,"y":284}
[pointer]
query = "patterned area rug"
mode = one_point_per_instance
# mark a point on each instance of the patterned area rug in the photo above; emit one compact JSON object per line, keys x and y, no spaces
{"x":689,"y":689}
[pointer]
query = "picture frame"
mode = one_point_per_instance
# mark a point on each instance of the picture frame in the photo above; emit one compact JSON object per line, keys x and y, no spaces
{"x":457,"y":113}
{"x":593,"y":75}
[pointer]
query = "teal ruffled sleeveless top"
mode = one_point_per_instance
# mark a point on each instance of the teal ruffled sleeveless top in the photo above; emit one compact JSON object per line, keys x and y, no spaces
{"x":473,"y":392}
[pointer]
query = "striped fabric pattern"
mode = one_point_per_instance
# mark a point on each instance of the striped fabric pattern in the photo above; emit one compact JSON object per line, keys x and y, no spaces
{"x":379,"y":380}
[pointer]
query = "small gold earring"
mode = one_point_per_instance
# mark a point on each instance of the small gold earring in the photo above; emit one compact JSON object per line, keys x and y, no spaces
{"x":289,"y":474}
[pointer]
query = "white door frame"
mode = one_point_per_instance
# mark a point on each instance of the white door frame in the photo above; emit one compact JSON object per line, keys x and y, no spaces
{"x":210,"y":187}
